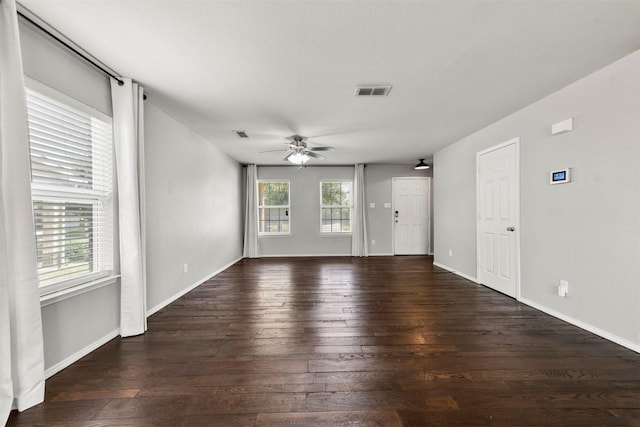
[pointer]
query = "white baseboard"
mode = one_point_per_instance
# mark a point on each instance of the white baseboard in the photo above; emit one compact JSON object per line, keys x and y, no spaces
{"x":586,"y":326}
{"x":318,"y":255}
{"x":300,"y":255}
{"x":466,"y":276}
{"x":80,"y":354}
{"x":188,"y":289}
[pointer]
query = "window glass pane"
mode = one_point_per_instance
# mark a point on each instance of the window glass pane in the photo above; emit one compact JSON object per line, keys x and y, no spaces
{"x":273,"y":219}
{"x":331,"y":194}
{"x":346,"y":194}
{"x":273,"y":193}
{"x":326,"y":214}
{"x":335,"y":210}
{"x":64,"y":240}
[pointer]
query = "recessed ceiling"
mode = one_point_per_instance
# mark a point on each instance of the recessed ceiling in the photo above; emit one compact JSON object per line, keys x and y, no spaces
{"x":278,"y":68}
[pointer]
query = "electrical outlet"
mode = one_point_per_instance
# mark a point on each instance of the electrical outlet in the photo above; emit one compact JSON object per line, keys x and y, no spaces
{"x":563,"y":289}
{"x":450,"y":252}
{"x":373,"y":241}
{"x":185,"y":268}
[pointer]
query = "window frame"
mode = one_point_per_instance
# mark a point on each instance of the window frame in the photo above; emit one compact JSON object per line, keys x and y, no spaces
{"x":350,"y":206}
{"x":42,"y":192}
{"x":287,"y":207}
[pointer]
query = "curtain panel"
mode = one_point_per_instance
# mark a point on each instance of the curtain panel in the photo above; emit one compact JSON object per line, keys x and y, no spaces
{"x":21,"y":343}
{"x":359,"y":246}
{"x":128,"y":135}
{"x":251,"y":214}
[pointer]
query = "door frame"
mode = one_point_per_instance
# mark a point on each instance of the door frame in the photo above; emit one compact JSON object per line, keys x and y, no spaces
{"x":427,"y":180}
{"x":516,"y":143}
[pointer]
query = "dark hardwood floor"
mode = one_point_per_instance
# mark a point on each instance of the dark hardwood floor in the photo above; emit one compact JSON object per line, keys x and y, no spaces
{"x":383,"y":341}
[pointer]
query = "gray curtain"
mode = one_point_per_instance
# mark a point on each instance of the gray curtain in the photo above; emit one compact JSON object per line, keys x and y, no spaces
{"x":128,"y":136}
{"x":359,"y":246}
{"x":21,"y":344}
{"x":251,"y":214}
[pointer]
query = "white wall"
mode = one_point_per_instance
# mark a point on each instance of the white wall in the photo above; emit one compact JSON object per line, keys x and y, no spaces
{"x":379,"y":190}
{"x":305,"y":238}
{"x":586,"y":232}
{"x":194,"y":207}
{"x":50,"y":63}
{"x":73,"y":325}
{"x":193,"y":203}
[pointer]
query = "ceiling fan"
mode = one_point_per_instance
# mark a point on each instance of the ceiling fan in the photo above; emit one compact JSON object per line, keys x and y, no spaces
{"x":300,"y":152}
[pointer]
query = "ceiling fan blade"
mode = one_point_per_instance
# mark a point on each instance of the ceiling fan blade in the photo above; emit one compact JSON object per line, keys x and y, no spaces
{"x":321,"y":149}
{"x":314,"y":155}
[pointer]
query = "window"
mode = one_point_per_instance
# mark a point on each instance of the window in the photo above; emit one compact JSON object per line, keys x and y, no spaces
{"x":273,"y":207}
{"x":71,"y":182}
{"x":335,"y":206}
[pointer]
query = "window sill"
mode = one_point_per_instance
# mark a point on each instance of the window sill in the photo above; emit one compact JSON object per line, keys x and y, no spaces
{"x":73,"y":291}
{"x":260,"y":236}
{"x":343,"y":234}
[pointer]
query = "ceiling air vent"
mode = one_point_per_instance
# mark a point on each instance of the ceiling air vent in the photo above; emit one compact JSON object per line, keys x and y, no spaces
{"x":373,"y":90}
{"x":241,"y":133}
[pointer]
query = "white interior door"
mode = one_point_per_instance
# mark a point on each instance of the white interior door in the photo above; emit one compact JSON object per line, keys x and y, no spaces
{"x":411,"y":207}
{"x":497,"y":209}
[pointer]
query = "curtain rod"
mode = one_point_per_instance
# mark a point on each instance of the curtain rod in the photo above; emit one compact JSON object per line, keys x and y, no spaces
{"x":50,"y":33}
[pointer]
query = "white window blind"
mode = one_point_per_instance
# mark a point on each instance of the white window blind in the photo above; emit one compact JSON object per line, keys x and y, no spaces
{"x":71,"y":181}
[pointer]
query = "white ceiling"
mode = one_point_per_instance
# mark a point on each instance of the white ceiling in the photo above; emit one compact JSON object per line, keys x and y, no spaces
{"x":275,"y":68}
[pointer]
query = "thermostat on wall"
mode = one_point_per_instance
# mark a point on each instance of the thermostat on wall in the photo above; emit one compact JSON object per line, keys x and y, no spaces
{"x":561,"y":176}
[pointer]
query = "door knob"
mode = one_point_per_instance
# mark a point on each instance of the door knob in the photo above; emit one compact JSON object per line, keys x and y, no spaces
{"x":511,"y":229}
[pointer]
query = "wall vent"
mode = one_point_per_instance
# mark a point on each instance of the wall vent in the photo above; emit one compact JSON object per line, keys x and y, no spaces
{"x":373,"y":90}
{"x":241,"y":133}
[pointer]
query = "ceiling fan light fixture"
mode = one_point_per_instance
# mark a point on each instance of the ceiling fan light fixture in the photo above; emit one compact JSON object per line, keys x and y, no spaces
{"x":298,"y":158}
{"x":421,"y":165}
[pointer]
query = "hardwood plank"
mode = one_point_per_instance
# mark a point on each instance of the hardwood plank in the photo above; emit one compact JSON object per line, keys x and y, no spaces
{"x":346,"y":341}
{"x":506,"y":416}
{"x":329,"y":419}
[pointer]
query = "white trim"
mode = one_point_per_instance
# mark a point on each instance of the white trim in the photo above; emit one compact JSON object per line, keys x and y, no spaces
{"x":498,"y":146}
{"x":80,"y":354}
{"x":516,"y":143}
{"x":303,"y":255}
{"x":71,"y":292}
{"x":322,"y":255}
{"x":586,"y":326}
{"x":451,"y":270}
{"x":189,"y":288}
